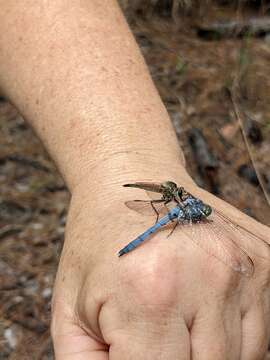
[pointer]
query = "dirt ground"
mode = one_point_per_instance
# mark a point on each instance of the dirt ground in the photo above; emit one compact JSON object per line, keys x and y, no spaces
{"x":193,"y":66}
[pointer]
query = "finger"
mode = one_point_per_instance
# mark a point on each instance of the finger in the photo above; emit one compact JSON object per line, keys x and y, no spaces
{"x":74,"y":344}
{"x":216,"y":335}
{"x":71,"y":342}
{"x":254,"y":335}
{"x":156,"y":344}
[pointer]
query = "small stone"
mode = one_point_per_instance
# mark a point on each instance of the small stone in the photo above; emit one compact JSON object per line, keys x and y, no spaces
{"x":18,"y":299}
{"x":22,"y":187}
{"x":37,"y":226}
{"x":46,"y":293}
{"x":10,"y":337}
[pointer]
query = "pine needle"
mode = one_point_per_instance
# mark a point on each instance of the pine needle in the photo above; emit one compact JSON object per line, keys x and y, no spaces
{"x":239,"y":116}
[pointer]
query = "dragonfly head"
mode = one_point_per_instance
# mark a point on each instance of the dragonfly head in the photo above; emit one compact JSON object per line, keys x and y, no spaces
{"x":207,"y":210}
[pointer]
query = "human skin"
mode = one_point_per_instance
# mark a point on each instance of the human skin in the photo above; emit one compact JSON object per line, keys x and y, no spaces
{"x":75,"y":73}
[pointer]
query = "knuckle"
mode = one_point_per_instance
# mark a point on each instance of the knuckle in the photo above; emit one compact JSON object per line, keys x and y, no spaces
{"x":221,"y":277}
{"x":153,"y":283}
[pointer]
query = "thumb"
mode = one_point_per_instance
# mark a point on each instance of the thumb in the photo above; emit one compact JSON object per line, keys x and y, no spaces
{"x":71,"y":341}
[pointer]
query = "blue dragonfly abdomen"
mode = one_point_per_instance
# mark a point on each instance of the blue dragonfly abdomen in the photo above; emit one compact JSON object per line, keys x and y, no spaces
{"x":176,"y":213}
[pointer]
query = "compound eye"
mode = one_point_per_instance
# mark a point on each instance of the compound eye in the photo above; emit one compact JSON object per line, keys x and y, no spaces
{"x":207,"y":210}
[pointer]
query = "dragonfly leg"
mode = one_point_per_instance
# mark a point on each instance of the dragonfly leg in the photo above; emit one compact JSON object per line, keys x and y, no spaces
{"x":155,"y":210}
{"x":174,"y":227}
{"x":158,"y":201}
{"x":152,"y":202}
{"x":180,"y":218}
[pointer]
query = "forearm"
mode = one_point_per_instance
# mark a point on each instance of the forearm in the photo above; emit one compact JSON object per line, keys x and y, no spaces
{"x":76,"y":74}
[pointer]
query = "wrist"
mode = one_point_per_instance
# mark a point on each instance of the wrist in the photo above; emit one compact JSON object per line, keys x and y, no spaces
{"x":97,"y":211}
{"x":104,"y":180}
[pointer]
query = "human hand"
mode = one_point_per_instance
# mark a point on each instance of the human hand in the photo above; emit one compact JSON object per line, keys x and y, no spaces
{"x":168,"y":299}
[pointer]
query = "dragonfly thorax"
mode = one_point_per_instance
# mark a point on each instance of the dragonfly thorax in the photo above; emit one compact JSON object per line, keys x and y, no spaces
{"x":169,"y":190}
{"x":195,"y":209}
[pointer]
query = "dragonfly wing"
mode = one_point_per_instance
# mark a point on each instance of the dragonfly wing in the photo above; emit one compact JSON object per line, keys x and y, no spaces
{"x":153,"y":190}
{"x":218,"y":241}
{"x":148,"y":186}
{"x":144,"y":207}
{"x":245,"y":237}
{"x":153,"y":195}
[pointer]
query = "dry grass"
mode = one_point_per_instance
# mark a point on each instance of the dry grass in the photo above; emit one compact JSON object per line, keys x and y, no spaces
{"x":191,"y":75}
{"x":183,"y":6}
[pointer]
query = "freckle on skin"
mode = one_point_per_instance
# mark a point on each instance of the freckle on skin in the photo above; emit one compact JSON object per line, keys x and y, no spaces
{"x":72,"y":123}
{"x":37,"y":101}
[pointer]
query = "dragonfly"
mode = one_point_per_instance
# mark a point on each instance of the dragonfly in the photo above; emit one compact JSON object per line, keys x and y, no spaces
{"x":215,"y":236}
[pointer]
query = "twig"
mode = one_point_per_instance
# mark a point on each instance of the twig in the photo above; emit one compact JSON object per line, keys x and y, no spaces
{"x":205,"y":160}
{"x":257,"y":27}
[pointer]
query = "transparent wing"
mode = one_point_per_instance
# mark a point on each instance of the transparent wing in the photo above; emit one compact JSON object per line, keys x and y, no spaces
{"x":220,"y":238}
{"x":148,"y":186}
{"x":153,"y":190}
{"x":245,"y":236}
{"x":145,"y":207}
{"x":153,"y":195}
